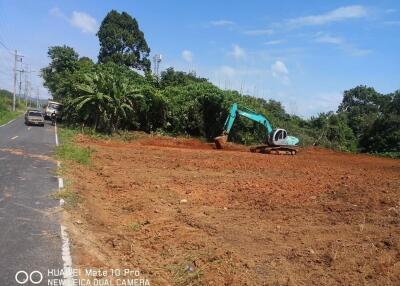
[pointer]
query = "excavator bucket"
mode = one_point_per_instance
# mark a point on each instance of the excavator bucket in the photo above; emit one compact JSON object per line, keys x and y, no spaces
{"x":220,"y":141}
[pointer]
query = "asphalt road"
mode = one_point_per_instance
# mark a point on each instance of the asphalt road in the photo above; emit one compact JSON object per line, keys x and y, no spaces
{"x":29,"y":221}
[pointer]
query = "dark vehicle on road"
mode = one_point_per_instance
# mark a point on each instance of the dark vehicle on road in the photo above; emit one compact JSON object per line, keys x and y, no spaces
{"x":34,"y":117}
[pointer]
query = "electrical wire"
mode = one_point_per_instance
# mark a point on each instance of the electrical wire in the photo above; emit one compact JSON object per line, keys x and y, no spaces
{"x":4,"y":45}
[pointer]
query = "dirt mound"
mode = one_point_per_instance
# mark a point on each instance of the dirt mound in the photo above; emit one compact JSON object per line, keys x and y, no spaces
{"x":157,"y":141}
{"x":238,"y":218}
{"x":175,"y":142}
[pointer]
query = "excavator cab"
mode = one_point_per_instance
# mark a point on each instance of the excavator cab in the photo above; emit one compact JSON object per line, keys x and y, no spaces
{"x":279,"y":137}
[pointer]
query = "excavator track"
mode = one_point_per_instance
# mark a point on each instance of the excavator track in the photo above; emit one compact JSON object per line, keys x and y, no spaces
{"x":276,"y":150}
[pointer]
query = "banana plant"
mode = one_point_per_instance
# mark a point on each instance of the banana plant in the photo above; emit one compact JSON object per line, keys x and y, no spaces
{"x":105,"y":99}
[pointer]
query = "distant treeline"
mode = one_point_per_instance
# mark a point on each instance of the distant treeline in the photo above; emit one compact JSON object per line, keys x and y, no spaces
{"x":110,"y":95}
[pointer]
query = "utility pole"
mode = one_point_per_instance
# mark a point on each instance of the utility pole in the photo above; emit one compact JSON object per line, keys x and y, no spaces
{"x":16,"y":58}
{"x":30,"y":86}
{"x":26,"y":86}
{"x":15,"y":79}
{"x":37,"y":98}
{"x":20,"y":85}
{"x":21,"y":71}
{"x":30,"y":93}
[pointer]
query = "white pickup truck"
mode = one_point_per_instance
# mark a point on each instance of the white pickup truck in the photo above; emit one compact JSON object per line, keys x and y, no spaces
{"x":53,"y":107}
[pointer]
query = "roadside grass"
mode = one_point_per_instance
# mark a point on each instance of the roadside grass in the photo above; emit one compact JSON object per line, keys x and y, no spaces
{"x":120,"y":135}
{"x":71,"y":198}
{"x":6,"y":116}
{"x":68,"y":151}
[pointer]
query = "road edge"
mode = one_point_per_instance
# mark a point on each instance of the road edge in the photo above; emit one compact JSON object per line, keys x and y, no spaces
{"x":65,"y":248}
{"x":8,"y":122}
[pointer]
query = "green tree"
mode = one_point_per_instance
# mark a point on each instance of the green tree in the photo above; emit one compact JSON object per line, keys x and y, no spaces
{"x":150,"y":113}
{"x":58,"y":74}
{"x":122,"y":42}
{"x":362,"y":105}
{"x":384,"y":134}
{"x":333,"y":131}
{"x":194,"y":109}
{"x":170,"y":77}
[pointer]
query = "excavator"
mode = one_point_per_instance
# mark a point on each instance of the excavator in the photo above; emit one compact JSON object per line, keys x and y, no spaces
{"x":277,"y":142}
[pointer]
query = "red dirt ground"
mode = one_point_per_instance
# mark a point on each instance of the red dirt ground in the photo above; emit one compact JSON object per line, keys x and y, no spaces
{"x":317,"y":218}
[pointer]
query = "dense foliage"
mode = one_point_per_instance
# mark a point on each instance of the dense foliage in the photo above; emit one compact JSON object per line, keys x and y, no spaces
{"x":5,"y":100}
{"x":109,"y":95}
{"x":122,"y":42}
{"x":374,"y":119}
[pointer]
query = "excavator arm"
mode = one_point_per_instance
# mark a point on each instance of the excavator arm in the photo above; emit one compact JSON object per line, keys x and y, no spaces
{"x":234,"y":111}
{"x":230,"y":120}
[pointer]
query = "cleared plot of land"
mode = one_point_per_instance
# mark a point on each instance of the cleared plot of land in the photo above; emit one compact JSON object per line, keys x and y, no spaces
{"x":186,"y":214}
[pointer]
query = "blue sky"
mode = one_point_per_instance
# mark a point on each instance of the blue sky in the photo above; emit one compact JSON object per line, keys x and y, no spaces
{"x":302,"y":54}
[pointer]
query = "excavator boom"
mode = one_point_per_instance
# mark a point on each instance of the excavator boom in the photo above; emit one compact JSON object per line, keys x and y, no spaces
{"x":256,"y":117}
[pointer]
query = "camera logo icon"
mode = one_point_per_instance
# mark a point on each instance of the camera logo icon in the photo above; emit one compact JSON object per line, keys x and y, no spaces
{"x":22,"y":277}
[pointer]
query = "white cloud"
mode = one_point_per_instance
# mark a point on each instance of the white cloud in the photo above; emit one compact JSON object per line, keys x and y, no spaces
{"x":280,"y":71}
{"x":258,"y":32}
{"x":328,"y":39}
{"x":80,"y":20}
{"x":238,"y":52}
{"x":342,"y":44}
{"x":339,"y":14}
{"x":226,"y":71}
{"x":187,"y":56}
{"x":222,"y":23}
{"x":84,"y":22}
{"x":274,"y":42}
{"x":279,"y":68}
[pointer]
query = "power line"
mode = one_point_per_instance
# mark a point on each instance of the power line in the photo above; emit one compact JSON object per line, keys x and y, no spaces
{"x":24,"y":84}
{"x":4,"y":45}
